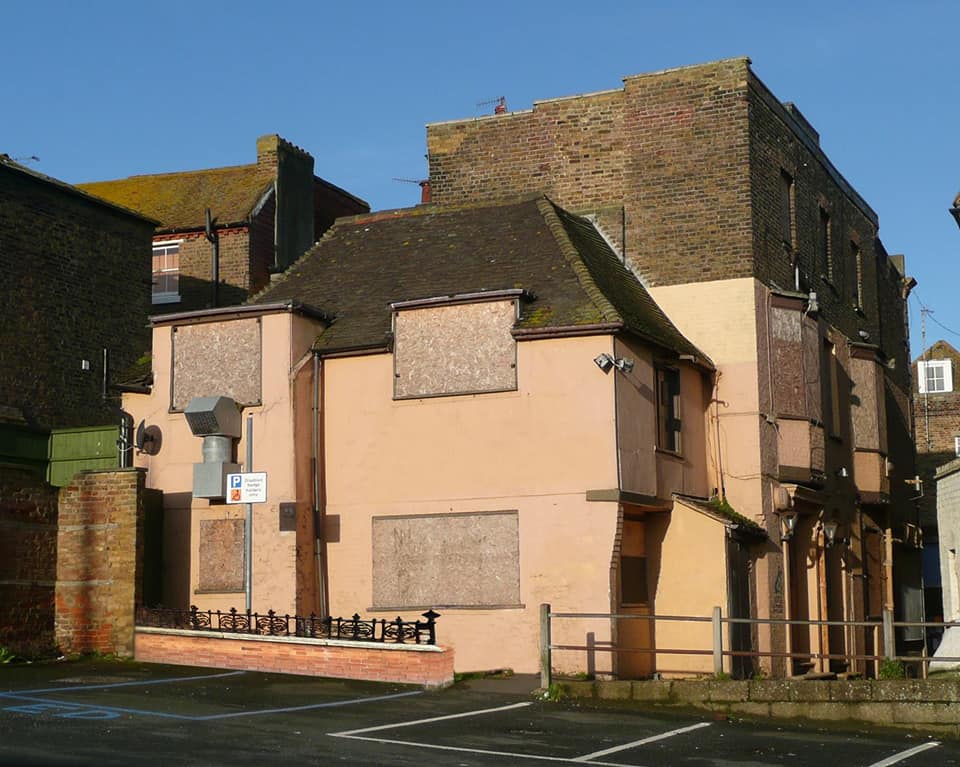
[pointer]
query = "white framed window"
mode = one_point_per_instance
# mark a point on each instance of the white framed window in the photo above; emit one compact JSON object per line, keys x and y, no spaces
{"x":935,"y":376}
{"x":166,"y":272}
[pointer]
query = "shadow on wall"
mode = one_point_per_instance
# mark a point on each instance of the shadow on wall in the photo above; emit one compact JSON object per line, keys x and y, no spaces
{"x":177,"y":542}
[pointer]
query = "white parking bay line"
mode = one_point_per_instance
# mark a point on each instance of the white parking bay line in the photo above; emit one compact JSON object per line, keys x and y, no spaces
{"x":348,"y":733}
{"x":360,"y":734}
{"x":641,"y":742}
{"x":483,"y":751}
{"x":904,"y":755}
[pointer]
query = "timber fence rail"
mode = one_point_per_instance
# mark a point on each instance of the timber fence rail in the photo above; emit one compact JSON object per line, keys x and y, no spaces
{"x":884,"y":632}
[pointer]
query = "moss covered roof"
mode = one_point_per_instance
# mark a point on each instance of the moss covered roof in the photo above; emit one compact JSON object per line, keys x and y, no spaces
{"x":366,"y":263}
{"x":179,"y":200}
{"x":722,"y":511}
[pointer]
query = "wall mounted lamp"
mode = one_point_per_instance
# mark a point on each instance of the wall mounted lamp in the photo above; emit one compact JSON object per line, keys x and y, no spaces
{"x":788,"y":525}
{"x":830,"y":532}
{"x":842,"y":472}
{"x":606,"y":362}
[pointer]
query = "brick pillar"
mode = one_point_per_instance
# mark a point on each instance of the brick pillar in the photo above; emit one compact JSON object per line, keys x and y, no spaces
{"x":28,"y":555}
{"x":99,"y":561}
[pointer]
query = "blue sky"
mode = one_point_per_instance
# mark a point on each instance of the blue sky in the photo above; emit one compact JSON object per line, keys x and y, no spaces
{"x":102,"y":90}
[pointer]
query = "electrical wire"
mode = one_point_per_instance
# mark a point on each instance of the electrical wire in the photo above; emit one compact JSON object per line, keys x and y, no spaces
{"x":930,"y":312}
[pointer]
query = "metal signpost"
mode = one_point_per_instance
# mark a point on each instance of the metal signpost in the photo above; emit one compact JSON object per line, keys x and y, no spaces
{"x":249,"y":487}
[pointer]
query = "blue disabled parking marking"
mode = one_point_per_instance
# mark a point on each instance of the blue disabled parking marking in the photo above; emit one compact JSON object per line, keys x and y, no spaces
{"x":137,"y":683}
{"x":32,"y":705}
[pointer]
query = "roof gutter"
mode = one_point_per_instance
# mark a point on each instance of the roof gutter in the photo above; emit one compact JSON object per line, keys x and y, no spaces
{"x":232,"y":312}
{"x":567,"y":331}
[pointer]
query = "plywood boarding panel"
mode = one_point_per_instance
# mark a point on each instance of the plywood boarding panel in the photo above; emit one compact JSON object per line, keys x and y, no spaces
{"x":437,"y":560}
{"x":217,"y":358}
{"x":459,"y":349}
{"x":221,"y":555}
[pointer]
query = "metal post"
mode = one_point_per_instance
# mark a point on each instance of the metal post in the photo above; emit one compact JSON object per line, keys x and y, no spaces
{"x":545,"y":673}
{"x":787,"y":610}
{"x":717,"y":641}
{"x":248,"y":525}
{"x":889,"y":640}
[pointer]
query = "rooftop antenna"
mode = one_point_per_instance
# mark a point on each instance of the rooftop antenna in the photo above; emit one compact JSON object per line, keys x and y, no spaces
{"x":423,"y":183}
{"x":500,"y":102}
{"x":924,"y":311}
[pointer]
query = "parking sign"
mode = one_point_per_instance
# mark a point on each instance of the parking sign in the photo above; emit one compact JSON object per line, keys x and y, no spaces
{"x":248,"y":487}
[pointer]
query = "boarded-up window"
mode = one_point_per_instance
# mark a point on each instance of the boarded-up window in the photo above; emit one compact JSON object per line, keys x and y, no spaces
{"x":455,"y":349}
{"x":216,"y":358}
{"x":446,"y":560}
{"x":221,"y":555}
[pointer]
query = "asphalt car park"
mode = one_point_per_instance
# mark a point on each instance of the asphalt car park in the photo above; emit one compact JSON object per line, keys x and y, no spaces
{"x":99,"y":712}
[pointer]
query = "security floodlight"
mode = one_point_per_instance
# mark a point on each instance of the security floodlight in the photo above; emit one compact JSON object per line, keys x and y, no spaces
{"x":606,"y":362}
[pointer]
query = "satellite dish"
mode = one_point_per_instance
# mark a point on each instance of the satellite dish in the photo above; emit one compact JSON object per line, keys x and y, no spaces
{"x":147,"y":439}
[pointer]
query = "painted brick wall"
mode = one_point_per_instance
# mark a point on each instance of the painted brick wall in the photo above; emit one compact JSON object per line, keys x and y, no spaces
{"x":428,"y":667}
{"x":28,"y":554}
{"x":937,"y":420}
{"x":99,"y":561}
{"x":76,"y":280}
{"x":948,"y":516}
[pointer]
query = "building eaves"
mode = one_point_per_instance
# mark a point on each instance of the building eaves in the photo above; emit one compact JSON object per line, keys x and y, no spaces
{"x":722,"y":512}
{"x":230,"y":312}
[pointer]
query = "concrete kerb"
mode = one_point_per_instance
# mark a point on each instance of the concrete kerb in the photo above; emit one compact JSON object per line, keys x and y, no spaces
{"x":926,"y":705}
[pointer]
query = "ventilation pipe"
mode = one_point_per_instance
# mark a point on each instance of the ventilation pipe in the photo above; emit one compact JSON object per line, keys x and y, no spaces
{"x":217,"y":420}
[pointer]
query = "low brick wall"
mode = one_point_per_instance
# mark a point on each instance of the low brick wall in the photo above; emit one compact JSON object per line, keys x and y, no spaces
{"x":929,"y":705}
{"x":426,"y":665}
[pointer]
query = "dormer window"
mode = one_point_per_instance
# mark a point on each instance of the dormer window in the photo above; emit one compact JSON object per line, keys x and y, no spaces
{"x":935,"y":376}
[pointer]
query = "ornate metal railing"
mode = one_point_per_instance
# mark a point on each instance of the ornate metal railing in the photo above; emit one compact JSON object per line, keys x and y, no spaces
{"x":397,"y":631}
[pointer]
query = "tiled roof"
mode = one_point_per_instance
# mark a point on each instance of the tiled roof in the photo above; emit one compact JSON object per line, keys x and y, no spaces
{"x":365,"y":263}
{"x":938,"y":351}
{"x":179,"y":200}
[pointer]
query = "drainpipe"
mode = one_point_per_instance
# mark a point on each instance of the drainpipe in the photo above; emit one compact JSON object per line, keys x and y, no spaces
{"x":214,"y":239}
{"x":125,"y":441}
{"x":318,"y":486}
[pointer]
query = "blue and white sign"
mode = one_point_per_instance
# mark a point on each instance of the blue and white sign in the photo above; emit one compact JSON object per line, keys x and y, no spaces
{"x":249,"y":487}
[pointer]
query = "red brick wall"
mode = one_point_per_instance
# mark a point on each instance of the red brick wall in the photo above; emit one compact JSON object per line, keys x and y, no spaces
{"x":28,"y":555}
{"x":409,"y":665}
{"x":196,"y":270}
{"x":99,"y":561}
{"x":664,"y":163}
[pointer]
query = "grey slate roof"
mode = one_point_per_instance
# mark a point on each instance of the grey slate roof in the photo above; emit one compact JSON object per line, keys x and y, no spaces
{"x":365,"y":263}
